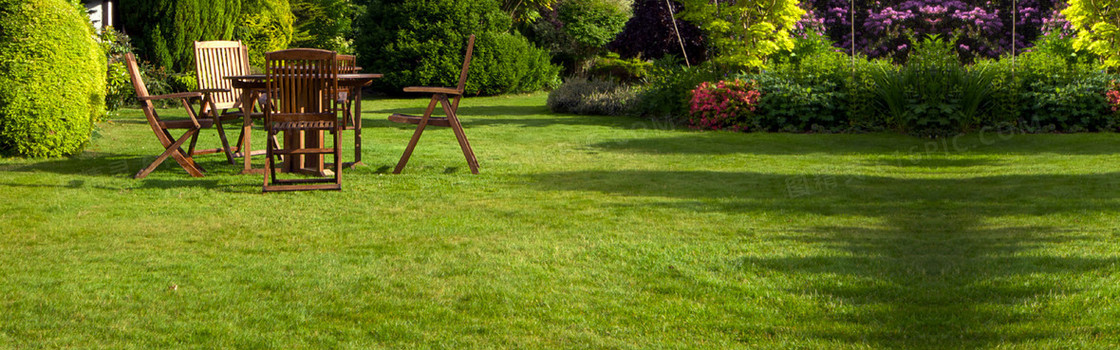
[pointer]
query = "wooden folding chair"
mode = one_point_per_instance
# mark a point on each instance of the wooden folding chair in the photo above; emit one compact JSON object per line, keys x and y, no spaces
{"x":440,"y":96}
{"x":172,"y":146}
{"x":302,"y":103}
{"x":215,"y":60}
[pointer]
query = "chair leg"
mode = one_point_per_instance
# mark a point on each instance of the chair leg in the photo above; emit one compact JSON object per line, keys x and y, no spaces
{"x":453,"y":119}
{"x":225,"y":141}
{"x":190,"y":149}
{"x":357,"y":115}
{"x":267,"y":165}
{"x":271,"y":165}
{"x":337,"y":156}
{"x":416,"y":136}
{"x":174,"y":152}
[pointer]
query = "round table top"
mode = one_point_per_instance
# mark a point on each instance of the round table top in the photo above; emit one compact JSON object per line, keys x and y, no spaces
{"x":348,"y":76}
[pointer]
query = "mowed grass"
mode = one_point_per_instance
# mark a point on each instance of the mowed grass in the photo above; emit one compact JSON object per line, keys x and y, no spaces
{"x":581,"y":232}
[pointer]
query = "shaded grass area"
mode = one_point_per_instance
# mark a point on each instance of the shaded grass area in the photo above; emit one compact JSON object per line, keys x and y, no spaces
{"x":581,"y":232}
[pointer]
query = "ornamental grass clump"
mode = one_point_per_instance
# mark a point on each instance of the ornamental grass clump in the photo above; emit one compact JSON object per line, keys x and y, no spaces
{"x":723,"y":105}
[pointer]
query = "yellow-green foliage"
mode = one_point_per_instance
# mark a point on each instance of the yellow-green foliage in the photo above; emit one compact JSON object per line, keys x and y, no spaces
{"x":1097,"y":27}
{"x":52,"y":78}
{"x":265,"y":26}
{"x":744,"y":33}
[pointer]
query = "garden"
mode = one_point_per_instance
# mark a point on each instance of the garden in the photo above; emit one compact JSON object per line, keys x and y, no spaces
{"x":653,"y":174}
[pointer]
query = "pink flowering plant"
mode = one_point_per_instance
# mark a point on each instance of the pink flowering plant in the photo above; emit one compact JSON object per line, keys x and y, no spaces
{"x":723,"y":105}
{"x":1113,"y":96}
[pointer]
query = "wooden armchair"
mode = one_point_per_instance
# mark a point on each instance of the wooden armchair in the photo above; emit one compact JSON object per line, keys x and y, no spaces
{"x":161,"y":128}
{"x":440,"y":95}
{"x":302,"y":103}
{"x":214,"y":61}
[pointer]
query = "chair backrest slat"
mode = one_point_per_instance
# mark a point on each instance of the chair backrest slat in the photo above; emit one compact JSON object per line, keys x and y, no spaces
{"x":466,"y":64}
{"x":134,"y":73}
{"x":302,"y":80}
{"x":347,"y":64}
{"x":215,"y":60}
{"x":141,"y":92}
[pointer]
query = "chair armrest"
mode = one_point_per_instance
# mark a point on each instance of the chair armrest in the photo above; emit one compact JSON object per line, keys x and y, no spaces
{"x":210,"y":91}
{"x":183,"y":95}
{"x":433,"y":90}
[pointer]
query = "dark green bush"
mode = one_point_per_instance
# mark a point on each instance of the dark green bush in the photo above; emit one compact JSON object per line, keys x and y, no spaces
{"x":52,"y":74}
{"x":1059,"y":95}
{"x":119,"y":92}
{"x":118,"y":88}
{"x":422,"y":43}
{"x":596,"y":97}
{"x":862,"y":112}
{"x":1004,"y":101}
{"x":807,"y":94}
{"x":933,"y":94}
{"x":652,"y":33}
{"x":575,"y":31}
{"x":668,"y":87}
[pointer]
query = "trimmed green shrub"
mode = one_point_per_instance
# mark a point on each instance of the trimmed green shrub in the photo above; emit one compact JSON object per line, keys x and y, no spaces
{"x":52,"y":71}
{"x":422,"y":43}
{"x":579,"y":96}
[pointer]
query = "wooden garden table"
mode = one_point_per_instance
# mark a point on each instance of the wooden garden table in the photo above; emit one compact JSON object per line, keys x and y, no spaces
{"x":255,"y":83}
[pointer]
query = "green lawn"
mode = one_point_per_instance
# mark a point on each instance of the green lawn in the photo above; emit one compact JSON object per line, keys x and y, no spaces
{"x":581,"y":232}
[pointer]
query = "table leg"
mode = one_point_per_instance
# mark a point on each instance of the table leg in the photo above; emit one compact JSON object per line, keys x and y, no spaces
{"x":246,"y":130}
{"x":357,"y":114}
{"x":357,"y":126}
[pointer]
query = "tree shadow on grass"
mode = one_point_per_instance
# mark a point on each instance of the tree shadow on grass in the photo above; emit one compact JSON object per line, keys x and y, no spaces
{"x":515,"y":116}
{"x":895,"y":145}
{"x":121,"y":166}
{"x":935,"y":273}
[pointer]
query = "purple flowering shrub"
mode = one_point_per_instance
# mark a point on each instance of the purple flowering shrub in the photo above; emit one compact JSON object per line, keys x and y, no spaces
{"x":981,"y":28}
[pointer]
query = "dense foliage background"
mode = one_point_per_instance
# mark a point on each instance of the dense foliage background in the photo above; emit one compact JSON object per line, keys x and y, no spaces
{"x":924,"y":67}
{"x":164,"y":31}
{"x":423,"y":42}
